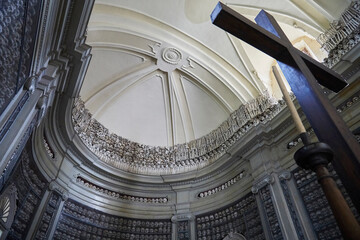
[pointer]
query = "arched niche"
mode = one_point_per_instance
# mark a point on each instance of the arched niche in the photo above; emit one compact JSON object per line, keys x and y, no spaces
{"x":234,"y":236}
{"x":7,"y":210}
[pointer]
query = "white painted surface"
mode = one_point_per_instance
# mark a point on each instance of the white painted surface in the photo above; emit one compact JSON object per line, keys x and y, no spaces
{"x":205,"y":74}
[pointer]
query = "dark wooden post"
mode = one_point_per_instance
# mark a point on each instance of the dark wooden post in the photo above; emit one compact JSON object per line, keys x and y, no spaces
{"x":316,"y":156}
{"x":302,"y":73}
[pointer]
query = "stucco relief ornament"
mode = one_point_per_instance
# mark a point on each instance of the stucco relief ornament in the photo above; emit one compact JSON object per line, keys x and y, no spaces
{"x":171,"y":55}
{"x":134,"y":157}
{"x":268,"y":180}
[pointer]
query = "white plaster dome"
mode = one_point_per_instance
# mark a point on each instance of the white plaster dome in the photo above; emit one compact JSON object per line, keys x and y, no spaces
{"x":162,"y":75}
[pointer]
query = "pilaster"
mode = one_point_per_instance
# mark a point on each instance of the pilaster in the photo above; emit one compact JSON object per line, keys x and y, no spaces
{"x":183,"y":227}
{"x":275,"y":215}
{"x":296,"y":206}
{"x":48,"y":213}
{"x":38,"y":215}
{"x":64,"y":196}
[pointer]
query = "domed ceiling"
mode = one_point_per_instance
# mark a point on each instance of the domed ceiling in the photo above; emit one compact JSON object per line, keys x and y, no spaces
{"x":161,"y":74}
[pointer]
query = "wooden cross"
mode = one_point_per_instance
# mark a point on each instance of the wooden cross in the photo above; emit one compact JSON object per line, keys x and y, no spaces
{"x":301,"y":72}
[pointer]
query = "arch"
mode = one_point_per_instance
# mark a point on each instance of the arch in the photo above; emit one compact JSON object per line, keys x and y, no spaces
{"x":234,"y":236}
{"x":7,"y":210}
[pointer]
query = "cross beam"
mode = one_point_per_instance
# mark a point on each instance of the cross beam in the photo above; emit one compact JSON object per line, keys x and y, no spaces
{"x":301,"y":72}
{"x":270,"y":39}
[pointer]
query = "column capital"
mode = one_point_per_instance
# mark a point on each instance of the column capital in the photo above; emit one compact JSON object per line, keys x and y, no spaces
{"x":267,"y":180}
{"x":54,"y":186}
{"x":183,"y":217}
{"x":285,"y":175}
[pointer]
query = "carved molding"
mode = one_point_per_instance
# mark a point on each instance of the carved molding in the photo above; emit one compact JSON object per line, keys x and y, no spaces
{"x":40,"y":45}
{"x":182,"y":217}
{"x":285,"y":175}
{"x":139,"y":158}
{"x":14,"y":114}
{"x":30,"y":84}
{"x":268,"y":180}
{"x":222,"y":187}
{"x":155,"y":47}
{"x":171,"y":55}
{"x":4,"y":175}
{"x":53,"y":186}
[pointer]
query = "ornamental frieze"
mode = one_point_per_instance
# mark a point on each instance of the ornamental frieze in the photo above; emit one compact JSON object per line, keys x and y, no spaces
{"x":134,"y":157}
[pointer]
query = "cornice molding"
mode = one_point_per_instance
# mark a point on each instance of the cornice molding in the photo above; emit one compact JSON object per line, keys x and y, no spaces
{"x":134,"y":157}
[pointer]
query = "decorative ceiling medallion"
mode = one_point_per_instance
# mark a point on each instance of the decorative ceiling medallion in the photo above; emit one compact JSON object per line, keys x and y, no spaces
{"x":171,"y":55}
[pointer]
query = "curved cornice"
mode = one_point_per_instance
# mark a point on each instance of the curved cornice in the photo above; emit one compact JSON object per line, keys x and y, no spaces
{"x":137,"y":158}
